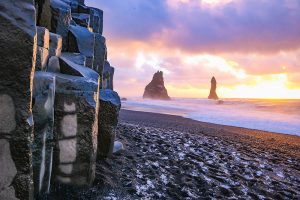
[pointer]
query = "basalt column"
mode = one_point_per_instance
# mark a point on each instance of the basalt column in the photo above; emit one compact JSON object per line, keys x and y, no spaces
{"x":43,"y":115}
{"x":108,"y":119}
{"x":17,"y":50}
{"x":76,"y":129}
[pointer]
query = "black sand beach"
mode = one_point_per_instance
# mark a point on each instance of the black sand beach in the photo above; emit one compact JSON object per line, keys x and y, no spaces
{"x":169,"y":157}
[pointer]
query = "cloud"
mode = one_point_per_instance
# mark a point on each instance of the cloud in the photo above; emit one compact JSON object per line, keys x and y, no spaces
{"x":200,"y":26}
{"x":134,"y":19}
{"x":244,"y":44}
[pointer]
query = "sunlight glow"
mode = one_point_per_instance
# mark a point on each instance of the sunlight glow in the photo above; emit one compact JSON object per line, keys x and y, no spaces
{"x":268,"y":87}
{"x":273,"y":86}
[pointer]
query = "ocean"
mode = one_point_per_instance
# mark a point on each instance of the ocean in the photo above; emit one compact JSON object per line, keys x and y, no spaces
{"x":279,"y":116}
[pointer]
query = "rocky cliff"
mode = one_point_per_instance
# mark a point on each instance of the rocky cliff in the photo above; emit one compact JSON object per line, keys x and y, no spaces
{"x":156,"y":88}
{"x":53,"y":69}
{"x":213,"y":89}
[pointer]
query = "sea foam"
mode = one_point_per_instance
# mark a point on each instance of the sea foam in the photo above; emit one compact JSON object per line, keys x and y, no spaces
{"x":281,"y":116}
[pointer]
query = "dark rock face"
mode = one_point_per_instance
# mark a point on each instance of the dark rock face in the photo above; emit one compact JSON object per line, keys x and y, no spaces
{"x":156,"y":88}
{"x":43,"y":39}
{"x":213,"y":89}
{"x":68,"y":66}
{"x":43,"y":13}
{"x":17,"y":50}
{"x":81,"y":40}
{"x":108,"y":119}
{"x":96,"y":17}
{"x":50,"y":78}
{"x":55,"y":45}
{"x":100,"y":51}
{"x":61,"y":19}
{"x":108,"y":76}
{"x":76,"y":130}
{"x":43,"y":116}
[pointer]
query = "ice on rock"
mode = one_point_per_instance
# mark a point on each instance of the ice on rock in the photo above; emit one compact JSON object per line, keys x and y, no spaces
{"x":259,"y":173}
{"x":280,"y":174}
{"x":164,"y":179}
{"x":210,"y":162}
{"x":181,"y":156}
{"x":81,"y":19}
{"x":139,"y":174}
{"x":118,"y":146}
{"x":82,"y":41}
{"x":61,"y":18}
{"x":68,"y":66}
{"x":156,"y":164}
{"x":76,"y":58}
{"x":150,"y":184}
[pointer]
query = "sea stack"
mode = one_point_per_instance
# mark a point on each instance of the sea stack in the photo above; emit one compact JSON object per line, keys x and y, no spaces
{"x":213,"y":88}
{"x":156,"y":88}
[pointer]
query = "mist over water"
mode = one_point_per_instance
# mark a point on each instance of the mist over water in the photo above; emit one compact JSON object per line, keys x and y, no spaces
{"x":281,"y":116}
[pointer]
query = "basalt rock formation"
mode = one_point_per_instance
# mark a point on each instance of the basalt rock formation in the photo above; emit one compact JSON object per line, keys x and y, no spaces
{"x":53,"y":65}
{"x":213,"y":89}
{"x":18,"y":55}
{"x":110,"y":103}
{"x":156,"y":88}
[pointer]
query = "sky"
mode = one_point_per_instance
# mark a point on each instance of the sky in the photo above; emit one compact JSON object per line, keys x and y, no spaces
{"x":252,"y":47}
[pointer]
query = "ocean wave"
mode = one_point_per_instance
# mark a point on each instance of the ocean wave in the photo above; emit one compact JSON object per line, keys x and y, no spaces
{"x":281,"y":116}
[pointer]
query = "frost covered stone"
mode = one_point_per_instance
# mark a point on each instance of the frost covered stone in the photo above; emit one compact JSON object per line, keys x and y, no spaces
{"x":82,"y":41}
{"x":67,"y":66}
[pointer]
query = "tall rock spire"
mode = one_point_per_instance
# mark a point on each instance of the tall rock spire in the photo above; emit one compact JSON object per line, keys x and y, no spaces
{"x":213,"y":88}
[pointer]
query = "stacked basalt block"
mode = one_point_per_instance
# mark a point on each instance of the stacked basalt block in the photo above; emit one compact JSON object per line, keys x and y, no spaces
{"x":73,"y":138}
{"x":76,"y":130}
{"x":52,"y":126}
{"x":18,"y":55}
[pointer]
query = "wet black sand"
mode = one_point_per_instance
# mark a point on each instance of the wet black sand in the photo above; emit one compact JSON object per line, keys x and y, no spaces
{"x":169,"y":157}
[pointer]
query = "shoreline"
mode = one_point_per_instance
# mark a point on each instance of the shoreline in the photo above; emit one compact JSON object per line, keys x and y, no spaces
{"x":214,"y":124}
{"x":280,"y":139}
